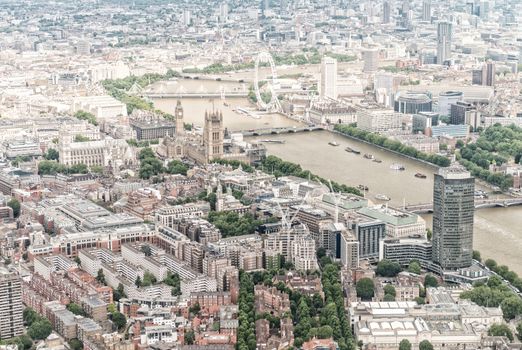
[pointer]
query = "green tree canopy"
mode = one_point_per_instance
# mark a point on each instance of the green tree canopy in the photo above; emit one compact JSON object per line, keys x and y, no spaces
{"x":425,"y":345}
{"x":75,"y":309}
{"x":405,"y":345}
{"x":40,"y":329}
{"x":476,"y":255}
{"x":387,"y":268}
{"x":511,"y":307}
{"x":430,"y":281}
{"x":365,"y":288}
{"x":501,"y":330}
{"x":52,"y":154}
{"x":414,"y":267}
{"x":29,"y":316}
{"x":390,"y":290}
{"x":75,"y":344}
{"x":189,"y":337}
{"x":119,"y":320}
{"x":100,"y":277}
{"x":15,"y":205}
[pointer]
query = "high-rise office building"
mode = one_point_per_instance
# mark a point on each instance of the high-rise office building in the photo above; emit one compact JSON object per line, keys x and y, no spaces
{"x":11,"y":309}
{"x":386,"y":12}
{"x":453,"y":212}
{"x":459,"y":111}
{"x":426,"y":10}
{"x":444,"y":38}
{"x":329,"y":78}
{"x":488,"y":74}
{"x":371,"y":60}
{"x":485,"y":75}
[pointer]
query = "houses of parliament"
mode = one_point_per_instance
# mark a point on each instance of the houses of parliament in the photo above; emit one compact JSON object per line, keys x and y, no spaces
{"x":215,"y":142}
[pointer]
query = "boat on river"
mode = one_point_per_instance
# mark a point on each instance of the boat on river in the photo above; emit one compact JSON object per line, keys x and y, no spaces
{"x":420,"y":176}
{"x":272,"y":141}
{"x":397,"y":166}
{"x":351,"y":150}
{"x":363,"y":188}
{"x":375,"y":160}
{"x":382,"y":197}
{"x":334,"y":143}
{"x":369,"y":156}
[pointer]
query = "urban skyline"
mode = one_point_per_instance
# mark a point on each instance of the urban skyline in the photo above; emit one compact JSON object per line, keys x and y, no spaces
{"x":260,"y":175}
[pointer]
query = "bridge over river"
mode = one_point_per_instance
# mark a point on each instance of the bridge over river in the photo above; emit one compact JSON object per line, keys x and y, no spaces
{"x":200,"y":94}
{"x":479,"y":204}
{"x":276,"y":131}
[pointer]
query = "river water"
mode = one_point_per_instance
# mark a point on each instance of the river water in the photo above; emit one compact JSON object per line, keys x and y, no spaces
{"x":498,"y":231}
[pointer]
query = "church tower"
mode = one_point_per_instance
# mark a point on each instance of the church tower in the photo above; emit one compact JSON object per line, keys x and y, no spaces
{"x":178,"y":115}
{"x":213,"y":135}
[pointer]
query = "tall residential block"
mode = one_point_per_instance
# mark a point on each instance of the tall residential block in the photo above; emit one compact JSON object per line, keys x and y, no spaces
{"x":11,"y":309}
{"x":453,"y":212}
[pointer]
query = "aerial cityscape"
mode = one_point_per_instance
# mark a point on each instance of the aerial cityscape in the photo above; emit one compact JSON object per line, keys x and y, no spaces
{"x":260,"y":174}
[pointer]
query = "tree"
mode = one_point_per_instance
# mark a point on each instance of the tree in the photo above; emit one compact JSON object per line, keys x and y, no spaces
{"x":97,"y":169}
{"x":500,"y":330}
{"x":365,"y":288}
{"x":405,"y":345}
{"x":387,"y":268}
{"x":420,"y":300}
{"x":189,"y":337}
{"x":52,"y":154}
{"x":324,"y":332}
{"x":119,"y":320}
{"x":425,"y":345}
{"x":173,"y":280}
{"x":148,"y":279}
{"x":389,"y":289}
{"x":146,"y":250}
{"x":29,"y":316}
{"x":430,"y":281}
{"x":15,"y":205}
{"x":320,"y":253}
{"x":490,"y":264}
{"x":145,"y":153}
{"x":100,"y":277}
{"x":195,"y":309}
{"x":138,"y":282}
{"x":414,"y":267}
{"x":25,"y":341}
{"x":81,"y":138}
{"x":511,"y":307}
{"x":75,"y":309}
{"x":494,"y":281}
{"x":77,"y":260}
{"x":40,"y":329}
{"x":388,"y":297}
{"x":476,"y":254}
{"x":111,"y":308}
{"x":177,"y":167}
{"x":75,"y":344}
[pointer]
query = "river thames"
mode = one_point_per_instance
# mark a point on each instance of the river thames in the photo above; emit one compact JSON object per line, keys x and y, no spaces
{"x":497,"y":233}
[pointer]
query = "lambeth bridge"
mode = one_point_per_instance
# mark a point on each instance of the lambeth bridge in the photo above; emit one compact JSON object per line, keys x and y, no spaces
{"x":479,"y":204}
{"x":276,"y":131}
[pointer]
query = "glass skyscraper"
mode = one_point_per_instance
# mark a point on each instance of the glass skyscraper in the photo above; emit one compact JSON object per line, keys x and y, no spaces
{"x":453,"y":212}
